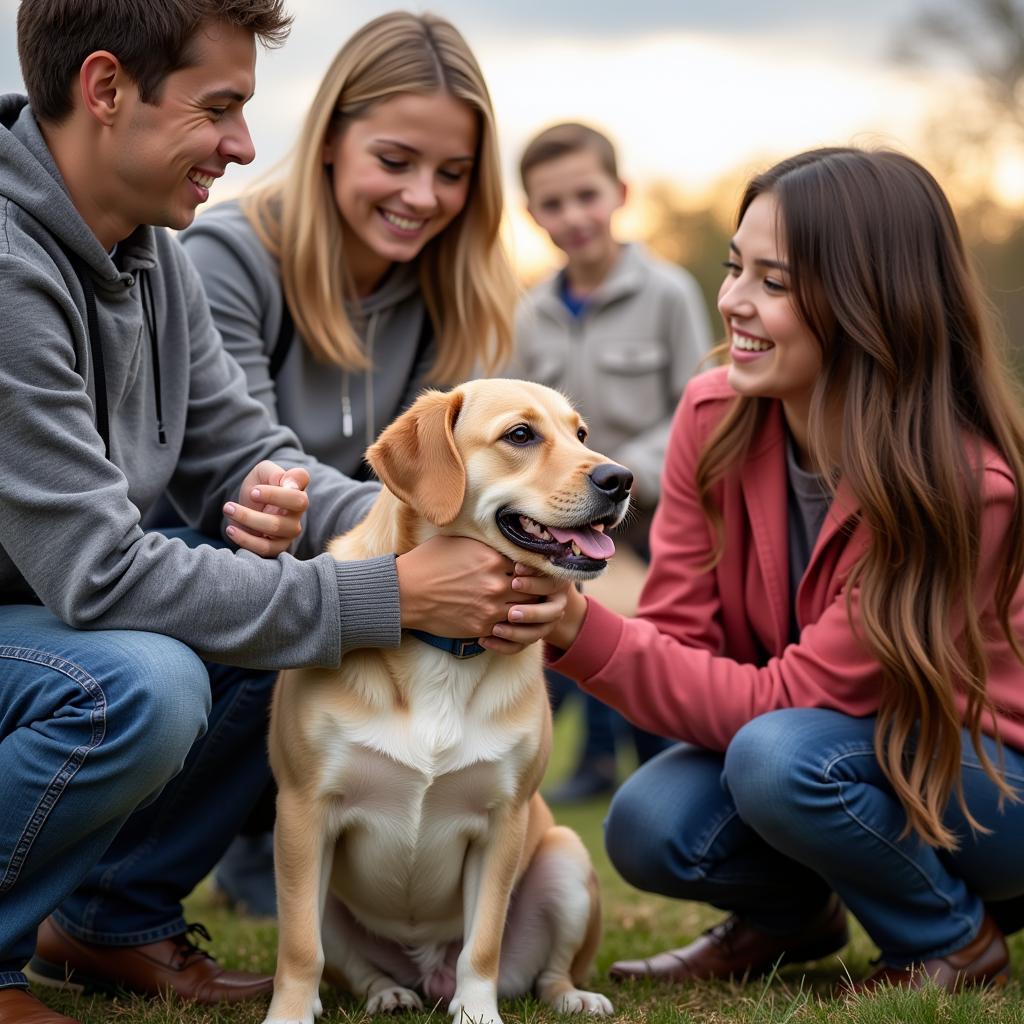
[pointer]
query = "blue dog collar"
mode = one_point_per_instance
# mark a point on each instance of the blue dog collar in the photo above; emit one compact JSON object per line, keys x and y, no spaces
{"x":458,"y":648}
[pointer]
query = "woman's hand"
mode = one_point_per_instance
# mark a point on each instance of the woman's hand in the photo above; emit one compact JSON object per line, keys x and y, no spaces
{"x":528,"y":623}
{"x":267,"y":516}
{"x":564,"y":632}
{"x":457,"y":587}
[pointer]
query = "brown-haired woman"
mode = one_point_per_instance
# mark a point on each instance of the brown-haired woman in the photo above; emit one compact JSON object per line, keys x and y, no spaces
{"x":832,"y":619}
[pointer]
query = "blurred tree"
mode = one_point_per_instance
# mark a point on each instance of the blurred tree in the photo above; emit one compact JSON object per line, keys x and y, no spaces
{"x":983,"y":39}
{"x":999,"y":259}
{"x":986,"y":37}
{"x":694,"y":234}
{"x":974,"y":131}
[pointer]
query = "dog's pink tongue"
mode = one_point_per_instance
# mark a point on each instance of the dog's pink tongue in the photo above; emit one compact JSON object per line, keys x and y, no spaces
{"x":592,"y":543}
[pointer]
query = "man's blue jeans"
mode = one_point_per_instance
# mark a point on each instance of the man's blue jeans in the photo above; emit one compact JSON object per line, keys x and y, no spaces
{"x":797,"y":807}
{"x":93,"y":727}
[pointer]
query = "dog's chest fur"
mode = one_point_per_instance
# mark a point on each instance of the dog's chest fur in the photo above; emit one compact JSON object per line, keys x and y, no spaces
{"x":412,"y":775}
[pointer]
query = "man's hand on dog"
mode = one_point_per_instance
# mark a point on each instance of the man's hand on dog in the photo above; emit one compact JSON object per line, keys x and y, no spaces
{"x":268,"y":514}
{"x":456,"y":587}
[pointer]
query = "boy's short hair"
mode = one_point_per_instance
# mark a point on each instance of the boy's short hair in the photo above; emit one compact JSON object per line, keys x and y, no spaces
{"x":151,"y":38}
{"x":562,"y":139}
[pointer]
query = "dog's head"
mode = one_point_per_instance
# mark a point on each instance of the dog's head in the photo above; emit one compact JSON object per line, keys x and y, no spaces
{"x":506,"y":462}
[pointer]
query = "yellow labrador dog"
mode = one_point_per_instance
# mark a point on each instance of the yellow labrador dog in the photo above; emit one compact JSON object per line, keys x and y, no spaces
{"x":415,"y":859}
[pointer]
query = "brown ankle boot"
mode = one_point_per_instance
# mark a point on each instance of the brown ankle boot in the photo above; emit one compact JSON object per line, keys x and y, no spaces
{"x":984,"y":960}
{"x":736,"y":948}
{"x":19,"y":1006}
{"x":175,"y":965}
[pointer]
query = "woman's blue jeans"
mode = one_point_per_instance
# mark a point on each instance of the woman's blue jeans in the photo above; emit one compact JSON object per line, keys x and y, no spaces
{"x":110,"y":810}
{"x":798,"y":807}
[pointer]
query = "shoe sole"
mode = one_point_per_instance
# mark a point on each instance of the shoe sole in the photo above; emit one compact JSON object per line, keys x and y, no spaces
{"x":805,"y":955}
{"x":844,"y":990}
{"x":59,"y":977}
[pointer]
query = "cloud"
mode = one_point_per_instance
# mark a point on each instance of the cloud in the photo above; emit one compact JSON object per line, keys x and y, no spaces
{"x":624,"y":19}
{"x":847,"y":29}
{"x":689,"y":89}
{"x":742,"y":18}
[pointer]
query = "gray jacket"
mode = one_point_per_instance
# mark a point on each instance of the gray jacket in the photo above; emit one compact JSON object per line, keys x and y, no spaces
{"x":69,"y":515}
{"x":335,"y":413}
{"x":624,"y":361}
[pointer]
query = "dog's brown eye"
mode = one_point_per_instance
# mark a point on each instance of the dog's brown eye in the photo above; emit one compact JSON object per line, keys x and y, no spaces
{"x":520,"y":434}
{"x":582,"y":434}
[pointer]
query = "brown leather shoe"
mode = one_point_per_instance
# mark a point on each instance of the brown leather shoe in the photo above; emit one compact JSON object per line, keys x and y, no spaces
{"x":985,"y":960}
{"x":736,"y":948}
{"x":18,"y":1005}
{"x":176,"y":965}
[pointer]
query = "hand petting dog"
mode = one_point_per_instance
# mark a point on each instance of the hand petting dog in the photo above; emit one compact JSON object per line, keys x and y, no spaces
{"x":479,"y":592}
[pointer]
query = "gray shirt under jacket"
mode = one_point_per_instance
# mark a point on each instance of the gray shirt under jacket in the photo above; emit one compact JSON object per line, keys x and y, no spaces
{"x":336,"y":414}
{"x":69,"y":513}
{"x":808,"y":501}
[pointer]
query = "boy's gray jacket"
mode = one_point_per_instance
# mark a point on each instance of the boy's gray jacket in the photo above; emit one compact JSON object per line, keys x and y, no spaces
{"x":69,"y":515}
{"x":624,"y":361}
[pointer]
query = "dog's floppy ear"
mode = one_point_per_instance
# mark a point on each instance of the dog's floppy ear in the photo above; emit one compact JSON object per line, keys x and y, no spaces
{"x":417,"y":460}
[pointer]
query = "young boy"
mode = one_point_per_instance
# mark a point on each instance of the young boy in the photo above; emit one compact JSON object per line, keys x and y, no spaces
{"x":621,"y":332}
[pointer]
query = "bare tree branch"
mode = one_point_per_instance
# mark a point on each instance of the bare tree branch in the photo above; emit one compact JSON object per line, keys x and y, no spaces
{"x":984,"y":36}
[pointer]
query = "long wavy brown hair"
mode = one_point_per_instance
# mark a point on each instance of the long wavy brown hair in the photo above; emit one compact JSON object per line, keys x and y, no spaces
{"x":465,"y":277}
{"x":916,"y":375}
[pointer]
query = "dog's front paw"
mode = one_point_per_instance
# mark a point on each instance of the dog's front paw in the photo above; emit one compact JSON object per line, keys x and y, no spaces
{"x":578,"y":1001}
{"x":275,"y":1018}
{"x":393,"y":999}
{"x":474,"y":1005}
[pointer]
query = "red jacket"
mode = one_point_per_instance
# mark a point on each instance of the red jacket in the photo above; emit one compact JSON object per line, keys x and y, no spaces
{"x":708,"y":650}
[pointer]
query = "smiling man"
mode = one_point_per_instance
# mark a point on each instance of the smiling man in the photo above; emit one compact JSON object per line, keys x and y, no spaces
{"x":134,"y":110}
{"x":130,"y":752}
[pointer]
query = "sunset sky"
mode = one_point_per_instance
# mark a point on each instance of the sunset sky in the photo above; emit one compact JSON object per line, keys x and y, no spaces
{"x":688,"y":89}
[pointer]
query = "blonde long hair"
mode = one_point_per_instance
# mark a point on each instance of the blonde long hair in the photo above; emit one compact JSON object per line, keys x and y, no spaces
{"x":881,"y":277}
{"x":465,"y":278}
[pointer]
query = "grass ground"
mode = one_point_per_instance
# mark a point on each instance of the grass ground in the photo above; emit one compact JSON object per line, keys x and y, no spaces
{"x":634,"y":924}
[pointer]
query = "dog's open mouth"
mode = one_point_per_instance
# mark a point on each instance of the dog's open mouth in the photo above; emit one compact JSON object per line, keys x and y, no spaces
{"x":584,"y":548}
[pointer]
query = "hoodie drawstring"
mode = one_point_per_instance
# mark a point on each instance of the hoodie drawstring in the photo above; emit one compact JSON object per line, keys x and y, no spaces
{"x":346,"y":406}
{"x":149,"y":311}
{"x":92,"y":324}
{"x":371,"y":412}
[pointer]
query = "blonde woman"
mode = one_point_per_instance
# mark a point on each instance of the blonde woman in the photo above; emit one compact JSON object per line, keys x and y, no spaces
{"x":370,"y":268}
{"x":832,"y":622}
{"x":373,"y":266}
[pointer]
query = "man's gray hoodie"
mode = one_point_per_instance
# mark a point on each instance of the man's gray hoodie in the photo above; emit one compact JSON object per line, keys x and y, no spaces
{"x":69,"y":514}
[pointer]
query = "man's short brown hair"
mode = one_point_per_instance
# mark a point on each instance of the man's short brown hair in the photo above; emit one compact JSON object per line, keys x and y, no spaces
{"x":562,"y":139}
{"x":151,"y":38}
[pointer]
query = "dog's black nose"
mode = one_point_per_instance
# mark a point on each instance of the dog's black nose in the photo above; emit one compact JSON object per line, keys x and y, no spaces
{"x":614,"y":481}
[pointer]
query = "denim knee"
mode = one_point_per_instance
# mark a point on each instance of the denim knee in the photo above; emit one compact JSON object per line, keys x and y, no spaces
{"x":775,"y":771}
{"x":160,"y":709}
{"x":759,"y":767}
{"x":665,"y":821}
